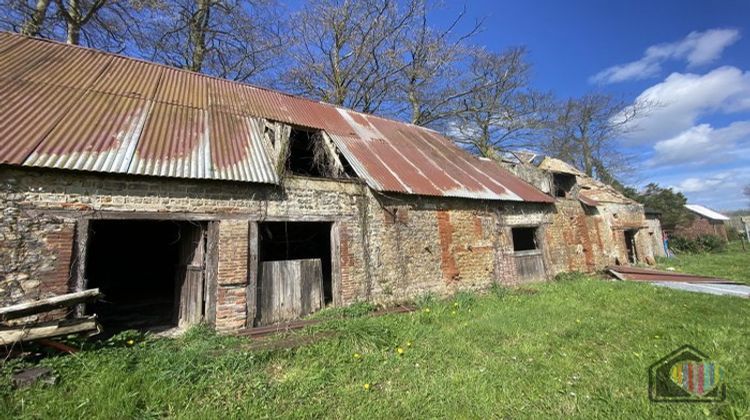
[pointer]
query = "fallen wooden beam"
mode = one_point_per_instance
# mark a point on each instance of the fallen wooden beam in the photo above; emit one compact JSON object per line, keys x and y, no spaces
{"x":10,"y":335}
{"x":43,"y":305}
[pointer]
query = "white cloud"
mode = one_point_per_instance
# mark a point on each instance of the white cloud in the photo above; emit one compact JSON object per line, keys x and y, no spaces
{"x":704,"y":145}
{"x":720,"y":189}
{"x":674,"y":105}
{"x":693,"y":185}
{"x":698,"y":48}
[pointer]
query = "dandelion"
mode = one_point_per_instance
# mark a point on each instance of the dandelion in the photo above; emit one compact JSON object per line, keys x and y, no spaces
{"x":455,"y":304}
{"x":408,"y":344}
{"x":453,"y":312}
{"x":578,"y":321}
{"x":130,"y":342}
{"x":427,"y":310}
{"x":400,"y":351}
{"x":366,"y":387}
{"x":357,"y":355}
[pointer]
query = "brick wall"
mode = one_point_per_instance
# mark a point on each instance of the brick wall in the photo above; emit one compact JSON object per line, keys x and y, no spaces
{"x":232,"y":275}
{"x":701,"y":226}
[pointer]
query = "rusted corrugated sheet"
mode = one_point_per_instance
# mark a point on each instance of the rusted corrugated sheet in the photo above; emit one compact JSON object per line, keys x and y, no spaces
{"x":643,"y":274}
{"x":76,"y":108}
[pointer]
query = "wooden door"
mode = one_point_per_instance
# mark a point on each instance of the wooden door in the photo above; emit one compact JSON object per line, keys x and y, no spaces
{"x":289,"y":290}
{"x":189,"y":287}
{"x":529,"y":265}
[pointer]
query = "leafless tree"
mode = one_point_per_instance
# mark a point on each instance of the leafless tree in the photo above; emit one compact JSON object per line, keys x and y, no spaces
{"x":234,"y":39}
{"x":500,"y":110}
{"x":102,"y":24}
{"x":746,"y":191}
{"x":584,"y":132}
{"x":430,"y":85}
{"x":346,"y":52}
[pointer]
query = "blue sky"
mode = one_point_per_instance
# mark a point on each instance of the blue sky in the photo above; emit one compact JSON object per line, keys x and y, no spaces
{"x":692,"y":58}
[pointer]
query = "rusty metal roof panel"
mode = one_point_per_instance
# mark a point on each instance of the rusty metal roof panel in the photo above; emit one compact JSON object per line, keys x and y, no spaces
{"x":77,"y":108}
{"x":98,"y":134}
{"x":398,"y":157}
{"x":129,"y":77}
{"x":28,"y":111}
{"x":238,"y":151}
{"x":183,"y":88}
{"x":47,"y":62}
{"x":174,"y":143}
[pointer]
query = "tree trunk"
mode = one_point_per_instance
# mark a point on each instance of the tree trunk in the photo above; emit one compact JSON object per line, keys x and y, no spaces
{"x":33,"y":25}
{"x":198,"y":28}
{"x":74,"y":23}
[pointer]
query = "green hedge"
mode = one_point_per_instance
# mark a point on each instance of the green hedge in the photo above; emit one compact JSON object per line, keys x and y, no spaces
{"x":704,"y":243}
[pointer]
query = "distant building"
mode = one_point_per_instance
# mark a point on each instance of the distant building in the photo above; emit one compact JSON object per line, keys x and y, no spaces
{"x":705,"y":222}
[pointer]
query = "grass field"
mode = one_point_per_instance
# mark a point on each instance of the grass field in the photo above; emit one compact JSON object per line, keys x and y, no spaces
{"x":733,"y":264}
{"x":578,"y":347}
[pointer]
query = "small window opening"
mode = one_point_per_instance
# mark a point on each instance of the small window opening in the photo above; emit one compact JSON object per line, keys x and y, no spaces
{"x":301,"y":252}
{"x":563,"y":184}
{"x":524,"y":239}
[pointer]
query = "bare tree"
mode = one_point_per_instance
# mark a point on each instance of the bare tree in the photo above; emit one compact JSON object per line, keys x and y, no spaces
{"x":235,"y":39}
{"x":584,"y":132}
{"x":746,"y":191}
{"x":102,"y":24}
{"x":499,"y":111}
{"x":346,"y":52}
{"x":28,"y":17}
{"x":431,"y":80}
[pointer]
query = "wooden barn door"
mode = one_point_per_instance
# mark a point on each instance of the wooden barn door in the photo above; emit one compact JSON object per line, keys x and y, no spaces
{"x":189,"y":285}
{"x":289,"y":290}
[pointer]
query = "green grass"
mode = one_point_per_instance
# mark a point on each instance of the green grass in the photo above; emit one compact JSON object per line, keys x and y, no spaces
{"x":733,"y":264}
{"x":579,"y":347}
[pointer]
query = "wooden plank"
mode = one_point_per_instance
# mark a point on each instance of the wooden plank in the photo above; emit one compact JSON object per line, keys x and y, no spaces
{"x":252,"y":273}
{"x":82,"y":239}
{"x":61,"y":301}
{"x":47,"y":330}
{"x":189,"y":282}
{"x":289,"y":289}
{"x":211,"y":271}
{"x":311,"y":276}
{"x":530,"y":266}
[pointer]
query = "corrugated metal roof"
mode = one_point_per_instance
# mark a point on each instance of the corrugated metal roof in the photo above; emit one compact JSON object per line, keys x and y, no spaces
{"x":76,"y":108}
{"x":706,"y":212}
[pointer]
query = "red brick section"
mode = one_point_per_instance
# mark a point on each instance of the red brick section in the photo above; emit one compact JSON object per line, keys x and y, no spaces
{"x":57,"y":280}
{"x":447,"y":262}
{"x":231,"y":299}
{"x":60,"y":245}
{"x":477,"y":226}
{"x":702,"y":226}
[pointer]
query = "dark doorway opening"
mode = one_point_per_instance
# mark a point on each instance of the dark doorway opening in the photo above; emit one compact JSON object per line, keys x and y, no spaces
{"x":150,"y":272}
{"x":630,"y":245}
{"x":300,"y":255}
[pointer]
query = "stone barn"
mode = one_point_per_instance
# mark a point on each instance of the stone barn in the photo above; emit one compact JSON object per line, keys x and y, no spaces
{"x":186,"y":198}
{"x":705,"y":222}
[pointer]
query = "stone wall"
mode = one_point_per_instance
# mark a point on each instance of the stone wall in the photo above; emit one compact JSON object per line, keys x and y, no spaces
{"x":43,"y":208}
{"x":390,"y":248}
